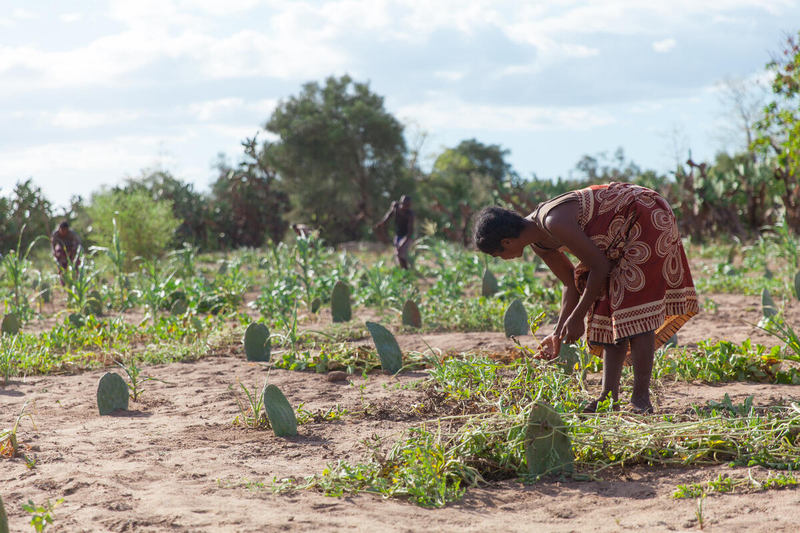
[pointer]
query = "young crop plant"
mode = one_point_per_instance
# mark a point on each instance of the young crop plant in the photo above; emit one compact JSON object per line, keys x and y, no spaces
{"x":9,"y":446}
{"x":253,"y":415}
{"x":737,"y":485}
{"x":134,"y":381}
{"x":41,"y":515}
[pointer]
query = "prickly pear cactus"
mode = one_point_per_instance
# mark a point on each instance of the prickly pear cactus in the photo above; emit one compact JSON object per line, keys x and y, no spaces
{"x":178,"y":307}
{"x":489,"y":285}
{"x":515,"y":320}
{"x":388,"y":350}
{"x":340,"y":302}
{"x":768,"y":307}
{"x":547,"y":447}
{"x":411,"y":315}
{"x":112,"y":393}
{"x":672,"y":342}
{"x":316,"y":303}
{"x":797,"y":285}
{"x":256,"y":343}
{"x":76,"y":320}
{"x":94,"y":303}
{"x":568,"y":357}
{"x":11,"y":324}
{"x":280,"y":413}
{"x":46,"y":292}
{"x":3,"y":518}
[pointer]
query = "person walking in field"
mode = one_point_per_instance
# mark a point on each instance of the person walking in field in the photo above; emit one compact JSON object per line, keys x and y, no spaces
{"x":632,"y":288}
{"x":65,"y":243}
{"x":404,"y":228}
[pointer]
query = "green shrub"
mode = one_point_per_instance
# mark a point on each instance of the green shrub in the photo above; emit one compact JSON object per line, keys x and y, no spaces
{"x":145,"y":225}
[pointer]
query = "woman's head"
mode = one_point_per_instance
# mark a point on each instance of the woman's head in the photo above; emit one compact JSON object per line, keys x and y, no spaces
{"x":493,"y":225}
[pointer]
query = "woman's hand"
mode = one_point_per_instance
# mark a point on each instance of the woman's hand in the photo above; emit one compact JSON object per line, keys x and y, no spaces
{"x":549,"y":348}
{"x":573,"y":329}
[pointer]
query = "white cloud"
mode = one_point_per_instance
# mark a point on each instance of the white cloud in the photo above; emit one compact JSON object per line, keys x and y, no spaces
{"x":455,"y":114}
{"x":4,"y":22}
{"x":206,"y":111}
{"x":664,"y":45}
{"x":450,"y":75}
{"x":23,"y":14}
{"x":69,"y":18}
{"x":75,"y":119}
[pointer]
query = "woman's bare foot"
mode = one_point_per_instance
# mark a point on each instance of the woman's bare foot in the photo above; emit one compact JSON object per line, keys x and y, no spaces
{"x":641,"y":405}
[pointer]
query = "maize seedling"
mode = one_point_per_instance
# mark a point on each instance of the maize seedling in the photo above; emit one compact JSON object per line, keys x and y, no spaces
{"x":112,"y":393}
{"x":280,"y":413}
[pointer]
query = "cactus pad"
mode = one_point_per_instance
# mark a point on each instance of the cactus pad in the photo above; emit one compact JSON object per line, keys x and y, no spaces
{"x":340,"y":302}
{"x":515,"y":320}
{"x":316,"y":303}
{"x":256,"y":343}
{"x":768,"y":308}
{"x":3,"y":518}
{"x":489,"y":285}
{"x":178,"y":307}
{"x":388,"y":350}
{"x":568,"y":357}
{"x":76,"y":320}
{"x":547,"y":447}
{"x":411,"y":315}
{"x":112,"y":393}
{"x":11,"y":324}
{"x":94,"y":303}
{"x":280,"y":413}
{"x":797,"y":284}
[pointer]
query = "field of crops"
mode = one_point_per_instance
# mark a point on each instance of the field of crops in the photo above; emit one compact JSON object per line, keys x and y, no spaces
{"x":446,"y":443}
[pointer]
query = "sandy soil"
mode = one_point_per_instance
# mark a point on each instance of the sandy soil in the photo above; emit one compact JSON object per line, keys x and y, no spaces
{"x":174,"y":462}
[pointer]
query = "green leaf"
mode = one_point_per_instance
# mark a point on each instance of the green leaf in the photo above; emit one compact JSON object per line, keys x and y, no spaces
{"x":548,"y":449}
{"x":515,"y":320}
{"x":489,"y":285}
{"x":112,"y":393}
{"x":797,"y":285}
{"x":11,"y":324}
{"x":411,"y":315}
{"x":280,"y":413}
{"x":3,"y":518}
{"x":388,"y":350}
{"x":340,"y":303}
{"x":257,"y":345}
{"x":768,"y":307}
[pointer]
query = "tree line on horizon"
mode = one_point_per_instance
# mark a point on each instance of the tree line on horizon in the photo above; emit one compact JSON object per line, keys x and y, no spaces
{"x":340,"y":159}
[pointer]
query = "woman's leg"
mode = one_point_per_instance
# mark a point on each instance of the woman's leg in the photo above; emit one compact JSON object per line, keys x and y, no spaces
{"x":643,"y":349}
{"x":613,"y":361}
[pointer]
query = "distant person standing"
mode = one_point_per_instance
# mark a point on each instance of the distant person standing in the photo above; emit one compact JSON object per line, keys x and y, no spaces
{"x":404,"y":228}
{"x":65,"y":243}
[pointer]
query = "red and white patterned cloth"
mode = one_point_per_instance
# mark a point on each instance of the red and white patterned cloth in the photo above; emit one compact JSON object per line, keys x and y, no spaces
{"x":649,"y":287}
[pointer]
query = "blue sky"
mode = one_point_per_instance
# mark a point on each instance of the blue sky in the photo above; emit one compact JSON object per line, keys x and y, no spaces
{"x":93,"y":91}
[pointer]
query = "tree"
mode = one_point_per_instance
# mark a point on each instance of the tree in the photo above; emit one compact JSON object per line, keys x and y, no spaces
{"x":779,"y":128}
{"x":190,"y":208}
{"x":25,"y":207}
{"x":145,"y":225}
{"x":462,"y":181}
{"x":340,"y":156}
{"x":248,"y":205}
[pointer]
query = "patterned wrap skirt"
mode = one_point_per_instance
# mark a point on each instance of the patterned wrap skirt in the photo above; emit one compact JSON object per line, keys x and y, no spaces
{"x":649,"y":286}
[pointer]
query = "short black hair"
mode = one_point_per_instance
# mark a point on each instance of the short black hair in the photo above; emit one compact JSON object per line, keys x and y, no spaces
{"x":492,"y":225}
{"x":64,"y":224}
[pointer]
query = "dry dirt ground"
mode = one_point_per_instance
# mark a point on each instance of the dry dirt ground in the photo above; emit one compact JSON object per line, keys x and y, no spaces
{"x":175,"y":463}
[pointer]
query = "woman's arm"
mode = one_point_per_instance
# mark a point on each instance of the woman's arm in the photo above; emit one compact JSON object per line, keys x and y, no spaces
{"x":563,"y":269}
{"x":562,"y":222}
